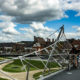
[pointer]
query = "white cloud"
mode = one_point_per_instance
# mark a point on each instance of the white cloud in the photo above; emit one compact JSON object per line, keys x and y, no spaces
{"x":70,"y":35}
{"x":6,"y":37}
{"x":77,"y":28}
{"x":33,"y":12}
{"x":5,"y":18}
{"x":28,"y":33}
{"x":8,"y":28}
{"x":72,"y":5}
{"x":27,"y":11}
{"x":38,"y":29}
{"x":78,"y":14}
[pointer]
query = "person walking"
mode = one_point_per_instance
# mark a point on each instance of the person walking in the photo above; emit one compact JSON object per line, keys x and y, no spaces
{"x":74,"y":56}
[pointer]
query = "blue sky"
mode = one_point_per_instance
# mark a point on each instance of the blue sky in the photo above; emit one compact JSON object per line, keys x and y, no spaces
{"x":72,"y":20}
{"x":23,"y":19}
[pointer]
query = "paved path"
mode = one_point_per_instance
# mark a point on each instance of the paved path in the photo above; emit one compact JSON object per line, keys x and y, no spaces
{"x":67,"y":75}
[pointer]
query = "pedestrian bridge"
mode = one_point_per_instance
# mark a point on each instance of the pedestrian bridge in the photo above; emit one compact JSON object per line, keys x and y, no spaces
{"x":57,"y":52}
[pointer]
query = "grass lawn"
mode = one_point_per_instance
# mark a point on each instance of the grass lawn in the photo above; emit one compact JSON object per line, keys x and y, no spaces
{"x":3,"y":79}
{"x":16,"y":66}
{"x":37,"y":75}
{"x":1,"y":58}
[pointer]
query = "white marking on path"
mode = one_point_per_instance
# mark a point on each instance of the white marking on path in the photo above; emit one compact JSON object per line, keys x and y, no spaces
{"x":69,"y":73}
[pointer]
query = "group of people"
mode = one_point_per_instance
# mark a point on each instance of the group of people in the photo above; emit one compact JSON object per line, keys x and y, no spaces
{"x":74,"y":56}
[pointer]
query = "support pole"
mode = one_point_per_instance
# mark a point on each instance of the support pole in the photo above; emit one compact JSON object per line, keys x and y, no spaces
{"x":27,"y":76}
{"x":28,"y":68}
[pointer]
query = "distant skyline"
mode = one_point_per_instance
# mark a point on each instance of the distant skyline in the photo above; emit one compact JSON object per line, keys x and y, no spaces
{"x":21,"y":20}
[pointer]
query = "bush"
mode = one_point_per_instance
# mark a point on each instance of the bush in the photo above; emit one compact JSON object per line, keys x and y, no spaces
{"x":3,"y":79}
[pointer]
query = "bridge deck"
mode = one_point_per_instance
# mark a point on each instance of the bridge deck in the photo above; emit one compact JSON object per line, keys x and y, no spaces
{"x":67,"y":75}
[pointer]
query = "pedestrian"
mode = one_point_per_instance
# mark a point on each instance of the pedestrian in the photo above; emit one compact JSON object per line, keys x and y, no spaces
{"x":74,"y":56}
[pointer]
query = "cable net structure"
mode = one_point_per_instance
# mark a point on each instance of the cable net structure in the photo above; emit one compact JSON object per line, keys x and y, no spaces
{"x":57,"y":53}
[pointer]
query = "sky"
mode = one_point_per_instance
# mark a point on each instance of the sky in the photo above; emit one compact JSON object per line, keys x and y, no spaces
{"x":21,"y":20}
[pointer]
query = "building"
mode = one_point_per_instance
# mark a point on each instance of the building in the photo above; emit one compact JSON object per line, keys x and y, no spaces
{"x":24,"y":47}
{"x":76,"y":43}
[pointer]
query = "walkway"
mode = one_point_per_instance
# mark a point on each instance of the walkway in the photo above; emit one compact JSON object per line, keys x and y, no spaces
{"x":67,"y":75}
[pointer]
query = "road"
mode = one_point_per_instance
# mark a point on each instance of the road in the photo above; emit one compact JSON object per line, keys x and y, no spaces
{"x":67,"y":75}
